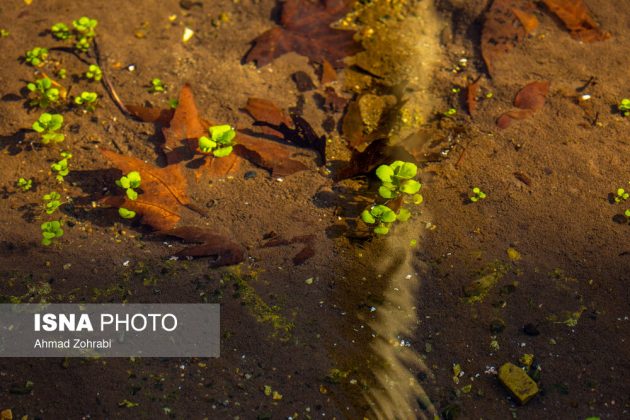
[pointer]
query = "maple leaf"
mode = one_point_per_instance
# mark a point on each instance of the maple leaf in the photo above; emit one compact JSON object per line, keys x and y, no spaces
{"x":182,"y":135}
{"x":268,"y":154}
{"x":163,"y":191}
{"x":305,"y":29}
{"x":575,"y":15}
{"x":529,"y":99}
{"x":223,"y":250}
{"x":502,"y":29}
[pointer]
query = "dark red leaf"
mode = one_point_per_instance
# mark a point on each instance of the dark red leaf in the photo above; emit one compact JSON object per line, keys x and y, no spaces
{"x":222,"y":249}
{"x":528,"y":100}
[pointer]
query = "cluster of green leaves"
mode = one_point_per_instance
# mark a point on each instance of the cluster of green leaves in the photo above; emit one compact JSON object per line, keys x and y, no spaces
{"x":24,"y":184}
{"x":43,"y":93}
{"x":397,"y":183}
{"x":37,"y":56}
{"x":126,"y":213}
{"x":87,"y":100}
{"x":94,"y":73}
{"x":51,"y":202}
{"x":50,"y":231}
{"x":221,"y":141}
{"x":157,"y":86}
{"x":48,"y":126}
{"x":61,"y":167}
{"x":477,"y":195}
{"x":129,"y":183}
{"x":622,"y":195}
{"x":624,"y":107}
{"x":83,"y":32}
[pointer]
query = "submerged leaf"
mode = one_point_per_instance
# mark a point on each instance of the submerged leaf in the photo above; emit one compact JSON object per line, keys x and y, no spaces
{"x":163,"y":191}
{"x":222,"y":249}
{"x":305,"y":28}
{"x":575,"y":15}
{"x":181,"y":137}
{"x":529,"y":100}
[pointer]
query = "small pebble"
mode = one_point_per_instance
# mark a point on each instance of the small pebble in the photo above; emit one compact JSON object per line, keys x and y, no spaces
{"x":250,"y":174}
{"x":531,"y":330}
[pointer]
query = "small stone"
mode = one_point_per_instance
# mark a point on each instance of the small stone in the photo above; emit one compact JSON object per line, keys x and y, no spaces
{"x":250,"y":175}
{"x":309,"y":280}
{"x":520,"y":385}
{"x":497,"y":326}
{"x":531,"y":330}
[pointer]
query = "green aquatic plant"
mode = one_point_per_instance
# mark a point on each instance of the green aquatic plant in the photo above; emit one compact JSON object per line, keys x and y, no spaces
{"x":36,"y":57}
{"x":87,"y":100}
{"x":397,"y":179}
{"x":94,"y":73}
{"x":62,"y":73}
{"x":61,"y":167}
{"x":477,"y":195}
{"x":157,"y":86}
{"x":451,"y":112}
{"x":624,"y":107}
{"x":84,"y":28}
{"x":50,"y":231}
{"x":43,"y":93}
{"x":126,"y":213}
{"x":622,"y":195}
{"x":24,"y":184}
{"x":60,"y":31}
{"x":627,"y":213}
{"x":381,"y":216}
{"x":48,"y":126}
{"x":3,"y":33}
{"x":221,"y":141}
{"x":129,"y":183}
{"x":51,"y":202}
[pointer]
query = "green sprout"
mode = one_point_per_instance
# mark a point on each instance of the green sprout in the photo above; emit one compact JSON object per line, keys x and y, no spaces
{"x":622,"y":195}
{"x":129,"y":183}
{"x":451,"y":112}
{"x":380,"y":215}
{"x":157,"y":86}
{"x":36,"y":57}
{"x":84,"y":27}
{"x":3,"y":33}
{"x":477,"y":195}
{"x":48,"y":126}
{"x":52,"y":202}
{"x":61,"y":167}
{"x":627,"y":213}
{"x":60,"y":31}
{"x":94,"y":73}
{"x":87,"y":100}
{"x":24,"y":184}
{"x":51,"y":230}
{"x":221,"y":141}
{"x":624,"y":107}
{"x":43,"y":93}
{"x":62,"y":73}
{"x":126,"y":213}
{"x":397,"y":179}
{"x":172,"y":103}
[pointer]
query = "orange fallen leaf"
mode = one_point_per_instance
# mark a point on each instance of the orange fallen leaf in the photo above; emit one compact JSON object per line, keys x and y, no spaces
{"x":528,"y":20}
{"x":269,"y":154}
{"x":502,"y":30}
{"x":578,"y":20}
{"x":163,"y":191}
{"x":182,"y":135}
{"x":529,"y":100}
{"x":471,"y":96}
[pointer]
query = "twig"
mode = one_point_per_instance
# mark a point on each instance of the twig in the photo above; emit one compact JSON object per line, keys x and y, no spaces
{"x":107,"y":84}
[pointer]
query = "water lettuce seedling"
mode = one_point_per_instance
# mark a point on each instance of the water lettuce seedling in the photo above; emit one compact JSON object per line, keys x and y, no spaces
{"x":51,"y":202}
{"x":48,"y":126}
{"x":85,"y":32}
{"x":36,"y":57}
{"x":380,"y":215}
{"x":624,"y":107}
{"x":24,"y":184}
{"x":397,"y":179}
{"x":51,"y":230}
{"x":157,"y":86}
{"x":61,"y":167}
{"x":627,"y":213}
{"x":43,"y":93}
{"x":87,"y":100}
{"x":129,"y":183}
{"x":221,"y":141}
{"x":622,"y":195}
{"x":126,"y":213}
{"x":94,"y":72}
{"x":477,"y":195}
{"x":60,"y":31}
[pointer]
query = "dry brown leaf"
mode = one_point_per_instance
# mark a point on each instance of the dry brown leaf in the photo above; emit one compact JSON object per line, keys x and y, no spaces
{"x":528,"y":20}
{"x":529,"y":100}
{"x":153,"y":115}
{"x":578,"y":20}
{"x":269,"y":154}
{"x":305,"y":29}
{"x":182,"y":135}
{"x":471,"y":96}
{"x":266,"y":111}
{"x":163,"y":191}
{"x":328,"y":73}
{"x":502,"y":30}
{"x":221,"y":248}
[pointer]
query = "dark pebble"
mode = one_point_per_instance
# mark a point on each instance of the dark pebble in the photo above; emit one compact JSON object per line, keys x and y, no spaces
{"x":497,"y":326}
{"x":250,"y":175}
{"x":531,"y":329}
